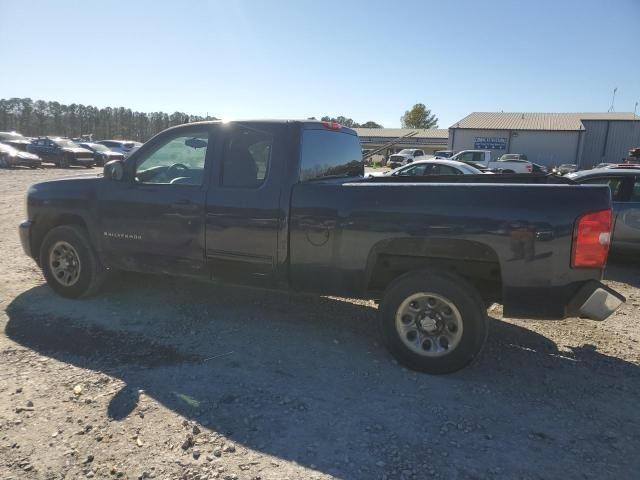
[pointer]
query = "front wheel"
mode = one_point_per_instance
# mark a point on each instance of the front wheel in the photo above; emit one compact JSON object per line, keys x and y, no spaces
{"x":69,"y":262}
{"x":433,"y":322}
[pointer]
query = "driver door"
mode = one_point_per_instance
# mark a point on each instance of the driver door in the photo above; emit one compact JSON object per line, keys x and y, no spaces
{"x":153,"y":221}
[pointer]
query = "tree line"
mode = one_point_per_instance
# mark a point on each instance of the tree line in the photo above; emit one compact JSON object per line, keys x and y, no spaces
{"x":33,"y":118}
{"x":419,"y":116}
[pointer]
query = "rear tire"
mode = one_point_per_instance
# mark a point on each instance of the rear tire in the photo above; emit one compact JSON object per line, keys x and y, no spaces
{"x":433,"y":322}
{"x":69,"y":263}
{"x":508,"y":171}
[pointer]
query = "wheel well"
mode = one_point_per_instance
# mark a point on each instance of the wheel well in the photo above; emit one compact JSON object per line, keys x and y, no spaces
{"x":483,"y":274}
{"x":44,"y":227}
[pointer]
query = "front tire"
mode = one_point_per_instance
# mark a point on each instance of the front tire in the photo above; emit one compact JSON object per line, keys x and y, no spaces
{"x":69,"y":263}
{"x":433,"y":322}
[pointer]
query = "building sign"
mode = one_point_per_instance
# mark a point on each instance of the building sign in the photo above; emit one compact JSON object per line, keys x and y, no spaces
{"x":489,"y":143}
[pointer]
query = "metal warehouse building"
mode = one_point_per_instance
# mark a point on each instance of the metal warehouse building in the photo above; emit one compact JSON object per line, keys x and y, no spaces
{"x":429,"y":140}
{"x":550,"y":138}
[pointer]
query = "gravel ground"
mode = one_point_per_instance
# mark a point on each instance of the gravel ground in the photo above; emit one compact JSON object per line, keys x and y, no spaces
{"x":169,"y":378}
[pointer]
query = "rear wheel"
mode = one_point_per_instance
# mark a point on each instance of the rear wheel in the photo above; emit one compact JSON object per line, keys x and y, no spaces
{"x":508,"y":171}
{"x":433,"y":322}
{"x":69,"y":262}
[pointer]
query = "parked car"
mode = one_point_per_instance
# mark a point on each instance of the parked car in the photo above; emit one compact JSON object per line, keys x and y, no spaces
{"x":565,"y":168}
{"x":443,"y":154}
{"x":61,"y":151}
{"x":483,"y":157}
{"x":122,"y":146}
{"x":403,"y":157}
{"x":433,"y":254}
{"x":101,"y":153}
{"x":11,"y":157}
{"x":625,"y":193}
{"x":16,"y":140}
{"x":431,"y":167}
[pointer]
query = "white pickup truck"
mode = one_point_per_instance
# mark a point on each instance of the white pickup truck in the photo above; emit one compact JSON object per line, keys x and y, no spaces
{"x":483,"y":158}
{"x":406,"y":156}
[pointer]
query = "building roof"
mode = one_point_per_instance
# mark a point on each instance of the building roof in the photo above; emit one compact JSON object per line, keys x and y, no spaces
{"x":442,"y":133}
{"x":535,"y":120}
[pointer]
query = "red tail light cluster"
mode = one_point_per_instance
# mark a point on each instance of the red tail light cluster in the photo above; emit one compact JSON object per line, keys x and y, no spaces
{"x":529,"y":168}
{"x":591,"y":238}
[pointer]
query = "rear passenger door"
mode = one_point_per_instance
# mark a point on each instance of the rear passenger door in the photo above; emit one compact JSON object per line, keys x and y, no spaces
{"x":243,"y":214}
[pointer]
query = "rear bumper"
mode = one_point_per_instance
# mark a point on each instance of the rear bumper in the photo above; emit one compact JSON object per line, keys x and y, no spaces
{"x":84,"y":161}
{"x":24,"y":162}
{"x":595,"y":301}
{"x":25,"y":236}
{"x":588,"y":299}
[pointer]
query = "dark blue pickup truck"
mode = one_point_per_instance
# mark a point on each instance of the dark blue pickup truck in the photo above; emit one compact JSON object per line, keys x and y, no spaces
{"x":285,"y":205}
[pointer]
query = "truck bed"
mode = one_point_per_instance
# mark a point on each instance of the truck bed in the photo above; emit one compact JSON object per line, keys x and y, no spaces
{"x":346,"y":235}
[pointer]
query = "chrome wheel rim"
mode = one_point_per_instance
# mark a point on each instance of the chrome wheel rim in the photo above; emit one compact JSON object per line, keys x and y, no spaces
{"x":429,"y":324}
{"x":64,"y":263}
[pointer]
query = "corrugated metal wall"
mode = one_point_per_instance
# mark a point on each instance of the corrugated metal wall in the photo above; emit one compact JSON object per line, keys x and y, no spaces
{"x":608,"y":141}
{"x":545,"y":147}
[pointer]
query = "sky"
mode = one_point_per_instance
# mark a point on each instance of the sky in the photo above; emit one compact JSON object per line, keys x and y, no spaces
{"x":367,"y":60}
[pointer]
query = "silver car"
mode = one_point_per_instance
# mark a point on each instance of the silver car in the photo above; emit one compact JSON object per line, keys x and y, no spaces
{"x":625,"y":193}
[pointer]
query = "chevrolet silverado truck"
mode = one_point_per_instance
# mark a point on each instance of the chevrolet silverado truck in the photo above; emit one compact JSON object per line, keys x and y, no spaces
{"x":285,"y":205}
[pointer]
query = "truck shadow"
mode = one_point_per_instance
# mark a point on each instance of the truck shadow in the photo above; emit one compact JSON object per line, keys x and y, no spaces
{"x":623,"y":268}
{"x":304,"y":379}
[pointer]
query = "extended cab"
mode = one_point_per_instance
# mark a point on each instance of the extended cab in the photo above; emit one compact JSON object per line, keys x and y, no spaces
{"x":504,"y":164}
{"x":284,"y":204}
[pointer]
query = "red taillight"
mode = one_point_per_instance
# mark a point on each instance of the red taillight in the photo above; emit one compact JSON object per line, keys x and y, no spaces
{"x":529,"y":168}
{"x":591,"y":238}
{"x":332,"y":125}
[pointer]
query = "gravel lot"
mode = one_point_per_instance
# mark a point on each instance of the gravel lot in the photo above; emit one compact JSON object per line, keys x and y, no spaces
{"x":168,"y":378}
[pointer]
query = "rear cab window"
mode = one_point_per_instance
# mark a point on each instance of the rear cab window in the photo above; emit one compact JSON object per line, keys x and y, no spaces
{"x":329,"y":152}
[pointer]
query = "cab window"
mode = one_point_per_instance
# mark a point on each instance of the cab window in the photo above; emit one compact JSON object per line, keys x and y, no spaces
{"x":178,"y":160}
{"x":614,"y":183}
{"x":413,"y":171}
{"x":246,"y":158}
{"x":444,"y":170}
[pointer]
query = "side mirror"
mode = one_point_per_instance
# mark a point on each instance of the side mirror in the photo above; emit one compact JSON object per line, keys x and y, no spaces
{"x":114,"y":170}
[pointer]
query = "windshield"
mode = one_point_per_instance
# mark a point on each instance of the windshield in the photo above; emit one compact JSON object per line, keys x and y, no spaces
{"x":61,"y":142}
{"x":97,"y":147}
{"x":406,"y":151}
{"x":11,"y":136}
{"x":7,"y":148}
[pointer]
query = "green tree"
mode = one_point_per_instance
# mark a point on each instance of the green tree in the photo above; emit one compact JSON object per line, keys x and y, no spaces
{"x":40,"y":117}
{"x":419,"y":117}
{"x":371,"y":124}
